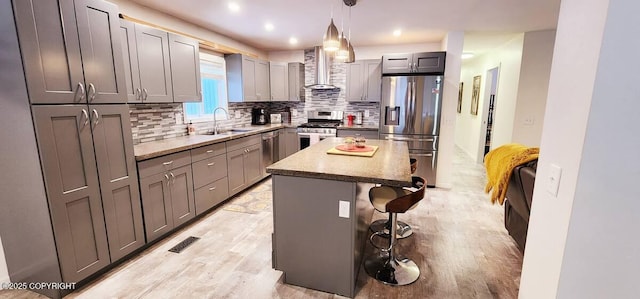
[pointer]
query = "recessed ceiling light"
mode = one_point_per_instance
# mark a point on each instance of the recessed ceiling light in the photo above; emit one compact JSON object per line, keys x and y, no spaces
{"x":467,"y":55}
{"x":397,"y":32}
{"x":293,"y":41}
{"x":268,"y":26}
{"x":234,"y":7}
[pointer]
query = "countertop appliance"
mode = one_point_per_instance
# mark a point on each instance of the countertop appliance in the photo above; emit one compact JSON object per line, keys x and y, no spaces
{"x":270,"y":149}
{"x":259,"y":116}
{"x":319,"y":125}
{"x":410,"y":111}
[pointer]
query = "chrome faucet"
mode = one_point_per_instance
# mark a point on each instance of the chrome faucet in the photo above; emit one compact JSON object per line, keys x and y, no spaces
{"x":215,"y":121}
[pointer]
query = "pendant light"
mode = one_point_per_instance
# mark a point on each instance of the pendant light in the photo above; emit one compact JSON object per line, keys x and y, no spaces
{"x":351,"y":54}
{"x":343,"y":52}
{"x":331,"y":41}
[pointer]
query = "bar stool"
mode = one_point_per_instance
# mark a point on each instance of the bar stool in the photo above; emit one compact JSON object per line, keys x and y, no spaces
{"x":389,"y":268}
{"x":383,"y":225}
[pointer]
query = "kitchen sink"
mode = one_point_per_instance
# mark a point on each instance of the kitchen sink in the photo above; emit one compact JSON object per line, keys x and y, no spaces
{"x":230,"y":131}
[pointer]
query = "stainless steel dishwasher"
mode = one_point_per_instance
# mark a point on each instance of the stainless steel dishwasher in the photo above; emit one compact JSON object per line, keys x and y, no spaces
{"x":270,"y":149}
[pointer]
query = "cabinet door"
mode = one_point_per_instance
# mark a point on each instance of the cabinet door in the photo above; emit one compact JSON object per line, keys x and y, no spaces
{"x":373,"y":80}
{"x":397,"y":63}
{"x":50,"y":51}
{"x":279,"y":81}
{"x":263,"y":92}
{"x":73,"y":192}
{"x":118,"y":178}
{"x":156,"y":205}
{"x":236,"y":170}
{"x":182,"y":201}
{"x":249,"y":89}
{"x":253,"y":164}
{"x":185,"y":68}
{"x":355,"y":81}
{"x":154,"y":65}
{"x":296,"y":81}
{"x":292,"y":141}
{"x":429,"y":62}
{"x":101,"y":51}
{"x":282,"y":144}
{"x":130,"y":61}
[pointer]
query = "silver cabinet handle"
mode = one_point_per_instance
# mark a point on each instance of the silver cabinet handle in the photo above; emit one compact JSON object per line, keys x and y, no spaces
{"x":97,"y":116}
{"x":144,"y":94}
{"x":81,"y":91}
{"x":173,"y":178}
{"x":166,"y":177}
{"x":86,"y":117}
{"x":138,"y":94}
{"x":421,"y":155}
{"x":209,"y":151}
{"x":212,"y":188}
{"x":91,"y":92}
{"x":211,"y":164}
{"x":167,"y":163}
{"x":409,"y":139}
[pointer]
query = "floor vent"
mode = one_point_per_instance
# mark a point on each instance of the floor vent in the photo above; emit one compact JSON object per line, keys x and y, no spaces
{"x":184,"y":244}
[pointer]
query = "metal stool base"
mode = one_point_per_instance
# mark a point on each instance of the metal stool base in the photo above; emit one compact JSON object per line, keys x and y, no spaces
{"x":394,"y":271}
{"x":403,"y":231}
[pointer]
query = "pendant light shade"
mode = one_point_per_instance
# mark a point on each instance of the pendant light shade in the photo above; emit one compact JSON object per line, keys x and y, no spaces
{"x":352,"y":55}
{"x":331,"y":41}
{"x":343,"y":52}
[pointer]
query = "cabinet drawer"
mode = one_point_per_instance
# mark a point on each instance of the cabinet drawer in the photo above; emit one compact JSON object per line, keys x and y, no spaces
{"x":243,"y":142}
{"x":208,"y":151}
{"x":164,"y":163}
{"x":210,"y":195}
{"x":209,"y":170}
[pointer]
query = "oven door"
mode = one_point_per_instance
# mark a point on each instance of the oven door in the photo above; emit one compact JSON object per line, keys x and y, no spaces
{"x":308,"y":139}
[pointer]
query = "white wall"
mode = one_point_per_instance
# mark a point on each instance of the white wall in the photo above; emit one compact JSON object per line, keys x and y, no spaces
{"x":537,"y":53}
{"x":468,"y":126}
{"x":4,"y":272}
{"x":571,"y":85}
{"x":453,"y":44}
{"x":155,"y":17}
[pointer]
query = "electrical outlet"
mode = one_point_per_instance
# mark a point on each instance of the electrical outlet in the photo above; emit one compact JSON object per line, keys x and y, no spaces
{"x":553,"y":179}
{"x":237,"y":114}
{"x":366,"y":113}
{"x":179,"y":120}
{"x":528,"y":121}
{"x":343,"y":210}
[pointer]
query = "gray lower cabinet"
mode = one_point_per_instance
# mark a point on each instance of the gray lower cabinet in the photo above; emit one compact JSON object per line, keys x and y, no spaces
{"x":244,"y":165}
{"x":87,"y":159}
{"x":71,"y":51}
{"x":292,"y":142}
{"x":166,"y":186}
{"x":282,"y":144}
{"x":209,"y":176}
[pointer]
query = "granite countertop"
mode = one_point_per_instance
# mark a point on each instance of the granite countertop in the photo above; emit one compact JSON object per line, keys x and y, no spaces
{"x":358,"y":127}
{"x":153,"y":149}
{"x":388,"y":166}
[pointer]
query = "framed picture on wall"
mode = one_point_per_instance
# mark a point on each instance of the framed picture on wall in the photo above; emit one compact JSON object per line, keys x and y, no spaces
{"x":475,"y":95}
{"x":460,"y":97}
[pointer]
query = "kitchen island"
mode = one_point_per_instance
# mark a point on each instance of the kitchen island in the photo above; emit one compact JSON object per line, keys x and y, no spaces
{"x":321,"y":211}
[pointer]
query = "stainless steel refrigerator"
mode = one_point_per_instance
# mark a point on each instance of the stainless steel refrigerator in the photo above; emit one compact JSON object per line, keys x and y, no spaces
{"x":410,"y":111}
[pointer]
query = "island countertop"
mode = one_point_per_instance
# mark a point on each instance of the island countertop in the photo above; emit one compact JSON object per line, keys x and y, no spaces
{"x":388,"y":166}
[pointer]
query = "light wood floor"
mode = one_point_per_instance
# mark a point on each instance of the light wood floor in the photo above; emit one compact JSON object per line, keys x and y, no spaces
{"x":459,"y":243}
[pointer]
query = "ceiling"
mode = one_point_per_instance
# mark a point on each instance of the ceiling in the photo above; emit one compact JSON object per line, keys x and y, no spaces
{"x":373,"y":21}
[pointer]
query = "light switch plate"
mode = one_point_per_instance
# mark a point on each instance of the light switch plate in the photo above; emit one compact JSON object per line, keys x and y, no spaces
{"x":553,"y":180}
{"x":343,"y":210}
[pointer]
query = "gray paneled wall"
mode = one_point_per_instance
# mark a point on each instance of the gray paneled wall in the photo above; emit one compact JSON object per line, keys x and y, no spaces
{"x":150,"y":122}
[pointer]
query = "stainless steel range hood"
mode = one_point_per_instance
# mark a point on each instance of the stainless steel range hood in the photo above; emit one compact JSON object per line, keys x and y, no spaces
{"x":322,"y":64}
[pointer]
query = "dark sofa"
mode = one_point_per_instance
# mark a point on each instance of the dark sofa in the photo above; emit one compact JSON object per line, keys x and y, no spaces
{"x":517,"y":206}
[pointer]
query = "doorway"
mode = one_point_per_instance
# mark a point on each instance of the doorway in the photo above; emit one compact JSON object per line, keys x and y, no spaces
{"x":488,"y":113}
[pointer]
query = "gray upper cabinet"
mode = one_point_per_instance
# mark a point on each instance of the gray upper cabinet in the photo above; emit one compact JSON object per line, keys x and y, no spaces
{"x":69,"y":60}
{"x":279,"y":81}
{"x":419,"y":63}
{"x":247,"y":79}
{"x":296,"y":81}
{"x":118,"y":178}
{"x":154,"y":66}
{"x":130,"y":61}
{"x":73,"y":191}
{"x":364,"y":79}
{"x":185,"y":68}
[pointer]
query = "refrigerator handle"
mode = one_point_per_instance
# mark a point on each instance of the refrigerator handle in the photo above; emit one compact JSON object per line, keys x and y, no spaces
{"x":413,"y":104}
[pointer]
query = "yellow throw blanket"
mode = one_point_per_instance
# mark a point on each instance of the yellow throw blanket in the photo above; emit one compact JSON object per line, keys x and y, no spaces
{"x":500,"y":162}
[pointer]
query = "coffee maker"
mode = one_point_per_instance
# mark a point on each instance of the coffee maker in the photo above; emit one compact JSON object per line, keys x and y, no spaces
{"x":259,"y":116}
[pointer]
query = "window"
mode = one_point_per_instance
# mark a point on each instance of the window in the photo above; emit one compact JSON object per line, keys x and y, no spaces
{"x":214,"y":89}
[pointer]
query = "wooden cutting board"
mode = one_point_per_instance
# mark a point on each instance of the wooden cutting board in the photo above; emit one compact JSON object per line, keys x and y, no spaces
{"x":335,"y":151}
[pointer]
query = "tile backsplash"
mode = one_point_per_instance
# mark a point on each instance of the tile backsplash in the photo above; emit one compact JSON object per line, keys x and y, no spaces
{"x":150,"y":122}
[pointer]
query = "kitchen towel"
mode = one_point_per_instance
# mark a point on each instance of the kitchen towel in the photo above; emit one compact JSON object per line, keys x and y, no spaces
{"x":314,"y":138}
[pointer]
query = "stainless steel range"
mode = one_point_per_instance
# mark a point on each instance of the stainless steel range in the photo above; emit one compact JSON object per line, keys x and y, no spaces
{"x":320,"y":125}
